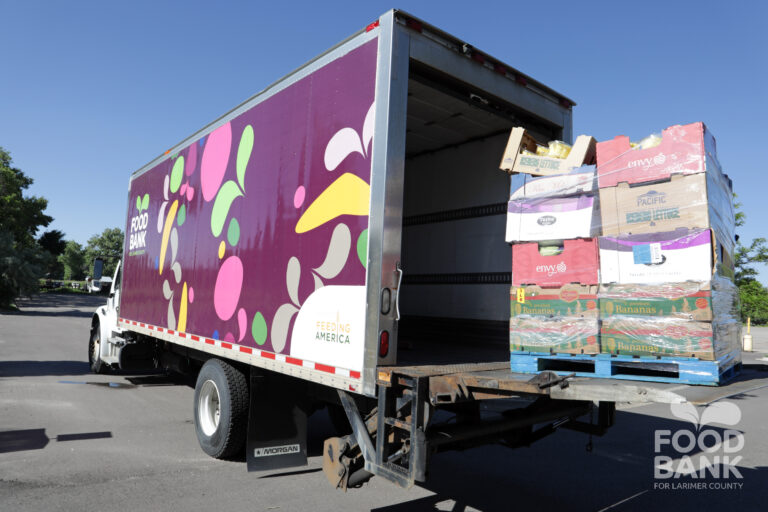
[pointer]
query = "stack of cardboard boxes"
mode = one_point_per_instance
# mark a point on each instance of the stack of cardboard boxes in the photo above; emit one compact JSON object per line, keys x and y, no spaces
{"x":666,"y":254}
{"x":553,"y":221}
{"x":634,"y":257}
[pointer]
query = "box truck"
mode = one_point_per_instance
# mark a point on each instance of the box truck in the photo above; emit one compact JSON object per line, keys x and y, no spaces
{"x":337,"y":241}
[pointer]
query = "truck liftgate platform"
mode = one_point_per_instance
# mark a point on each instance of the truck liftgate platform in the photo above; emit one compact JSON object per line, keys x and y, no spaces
{"x":411,"y":399}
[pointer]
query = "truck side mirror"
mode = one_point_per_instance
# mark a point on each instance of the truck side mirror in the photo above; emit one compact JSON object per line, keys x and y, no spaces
{"x":98,"y":268}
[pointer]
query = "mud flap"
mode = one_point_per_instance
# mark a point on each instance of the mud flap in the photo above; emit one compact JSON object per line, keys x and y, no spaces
{"x":277,"y":426}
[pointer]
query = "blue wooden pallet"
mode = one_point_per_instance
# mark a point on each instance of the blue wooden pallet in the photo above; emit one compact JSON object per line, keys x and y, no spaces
{"x":683,"y":370}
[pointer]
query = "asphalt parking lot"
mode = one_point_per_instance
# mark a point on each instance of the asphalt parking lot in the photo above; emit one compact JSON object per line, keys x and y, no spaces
{"x":71,"y":440}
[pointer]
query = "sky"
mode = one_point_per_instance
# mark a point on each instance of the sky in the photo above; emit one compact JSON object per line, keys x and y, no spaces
{"x":92,"y":91}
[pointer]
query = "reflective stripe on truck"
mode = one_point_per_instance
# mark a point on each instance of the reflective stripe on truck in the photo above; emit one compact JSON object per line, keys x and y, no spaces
{"x":341,"y":378}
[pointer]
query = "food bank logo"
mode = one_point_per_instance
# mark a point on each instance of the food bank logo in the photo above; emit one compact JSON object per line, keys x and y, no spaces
{"x":551,"y":270}
{"x":702,"y":452}
{"x":139,"y":223}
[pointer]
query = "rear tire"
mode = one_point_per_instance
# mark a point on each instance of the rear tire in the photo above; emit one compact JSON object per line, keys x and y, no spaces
{"x":94,"y":351}
{"x":221,"y":409}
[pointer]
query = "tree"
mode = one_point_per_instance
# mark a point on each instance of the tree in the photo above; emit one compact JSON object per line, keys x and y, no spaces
{"x":107,"y":246}
{"x":20,"y":269}
{"x":53,"y":243}
{"x":22,"y":261}
{"x":22,"y":216}
{"x":753,"y":295}
{"x":73,"y":261}
{"x":754,"y":301}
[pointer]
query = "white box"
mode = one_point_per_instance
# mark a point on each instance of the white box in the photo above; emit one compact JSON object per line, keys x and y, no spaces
{"x":581,"y":180}
{"x":558,"y":218}
{"x":665,"y":257}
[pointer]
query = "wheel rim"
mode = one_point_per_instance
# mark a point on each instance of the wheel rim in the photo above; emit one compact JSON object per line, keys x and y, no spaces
{"x":209,"y":410}
{"x":96,"y":350}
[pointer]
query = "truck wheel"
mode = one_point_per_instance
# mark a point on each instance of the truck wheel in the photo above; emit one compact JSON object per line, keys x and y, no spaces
{"x":221,"y":409}
{"x":94,"y":351}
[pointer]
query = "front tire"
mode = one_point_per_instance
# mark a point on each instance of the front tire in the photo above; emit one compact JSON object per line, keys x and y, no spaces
{"x":94,"y":351}
{"x":221,"y":409}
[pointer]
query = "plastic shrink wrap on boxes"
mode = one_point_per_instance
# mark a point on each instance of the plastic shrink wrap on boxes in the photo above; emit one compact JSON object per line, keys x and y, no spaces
{"x":558,"y":334}
{"x":670,"y":336}
{"x":666,"y":183}
{"x":688,"y":319}
{"x":681,"y":149}
{"x":704,"y":301}
{"x":562,"y":319}
{"x":662,"y":212}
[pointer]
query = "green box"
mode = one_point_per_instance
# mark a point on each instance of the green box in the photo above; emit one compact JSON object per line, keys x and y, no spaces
{"x":572,"y":335}
{"x":669,"y":336}
{"x":571,"y":300}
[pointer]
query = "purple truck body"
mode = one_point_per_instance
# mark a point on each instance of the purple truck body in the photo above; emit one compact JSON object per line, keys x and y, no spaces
{"x":262,"y":225}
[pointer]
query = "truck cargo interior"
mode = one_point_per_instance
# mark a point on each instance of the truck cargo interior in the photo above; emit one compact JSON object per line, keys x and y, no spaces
{"x":454,"y":300}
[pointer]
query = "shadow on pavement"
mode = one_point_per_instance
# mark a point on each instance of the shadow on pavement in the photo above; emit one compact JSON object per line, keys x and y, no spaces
{"x":558,"y":473}
{"x":23,"y":440}
{"x":46,"y":304}
{"x":41,"y":368}
{"x":36,"y":439}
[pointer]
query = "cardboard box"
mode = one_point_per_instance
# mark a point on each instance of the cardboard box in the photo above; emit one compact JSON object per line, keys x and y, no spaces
{"x":577,"y":263}
{"x":571,"y":300}
{"x":582,"y":152}
{"x":716,"y":300}
{"x":697,"y":201}
{"x":668,"y":336}
{"x":684,"y":149}
{"x":665,"y":257}
{"x":581,"y":180}
{"x":555,"y":218}
{"x":570,"y":335}
{"x":688,"y":301}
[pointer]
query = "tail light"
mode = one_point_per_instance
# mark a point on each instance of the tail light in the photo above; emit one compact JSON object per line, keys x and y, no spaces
{"x":383,"y":344}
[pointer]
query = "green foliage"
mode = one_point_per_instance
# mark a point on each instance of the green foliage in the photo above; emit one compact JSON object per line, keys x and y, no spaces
{"x":22,"y":260}
{"x":107,"y":246}
{"x":20,"y":268}
{"x":753,"y":295}
{"x":22,"y":216}
{"x":754,"y":302}
{"x":746,"y":257}
{"x":53,"y":243}
{"x":73,"y":260}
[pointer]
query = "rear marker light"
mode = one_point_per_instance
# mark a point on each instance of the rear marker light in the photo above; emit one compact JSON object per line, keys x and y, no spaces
{"x":372,"y":26}
{"x":414,"y":25}
{"x":383,"y":344}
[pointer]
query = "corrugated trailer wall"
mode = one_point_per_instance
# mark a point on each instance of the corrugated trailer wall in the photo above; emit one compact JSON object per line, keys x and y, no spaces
{"x":267,"y":214}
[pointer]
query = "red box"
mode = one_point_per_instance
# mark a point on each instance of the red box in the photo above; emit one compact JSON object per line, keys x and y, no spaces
{"x":577,"y":263}
{"x":684,"y":149}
